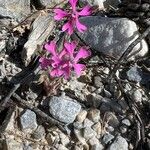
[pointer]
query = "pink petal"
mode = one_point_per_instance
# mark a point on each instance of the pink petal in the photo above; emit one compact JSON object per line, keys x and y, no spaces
{"x":51,"y":48}
{"x":78,"y":68}
{"x":73,"y":4}
{"x":83,"y":53}
{"x":62,"y":53}
{"x":86,"y":11}
{"x":59,"y":14}
{"x":44,"y":62}
{"x":81,"y":28}
{"x":70,"y":47}
{"x":68,"y":26}
{"x":56,"y":72}
{"x":56,"y":61}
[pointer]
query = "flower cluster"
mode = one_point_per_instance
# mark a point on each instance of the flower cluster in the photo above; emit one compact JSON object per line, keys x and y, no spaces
{"x":61,"y":63}
{"x":72,"y":16}
{"x":64,"y":61}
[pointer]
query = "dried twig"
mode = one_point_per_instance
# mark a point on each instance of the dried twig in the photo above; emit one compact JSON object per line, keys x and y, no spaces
{"x":18,"y":100}
{"x":132,"y":106}
{"x":128,"y":50}
{"x":27,"y":74}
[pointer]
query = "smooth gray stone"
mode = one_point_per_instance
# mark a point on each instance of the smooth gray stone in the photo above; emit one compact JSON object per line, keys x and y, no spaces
{"x":63,"y":109}
{"x":28,"y":120}
{"x":112,"y":36}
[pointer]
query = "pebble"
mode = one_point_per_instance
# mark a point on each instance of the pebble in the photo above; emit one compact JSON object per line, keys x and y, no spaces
{"x":50,"y":138}
{"x":63,"y":109}
{"x":61,"y":147}
{"x":64,"y":139}
{"x":97,"y":128}
{"x":110,"y":129}
{"x":112,"y":119}
{"x":98,"y":81}
{"x":88,"y":133}
{"x":28,"y":121}
{"x":137,"y":96}
{"x":107,"y":138}
{"x":133,"y":74}
{"x":126,"y":122}
{"x":110,"y":104}
{"x":95,"y":144}
{"x":39,"y":133}
{"x":78,"y":125}
{"x":81,"y":116}
{"x":94,"y":115}
{"x":111,"y":35}
{"x":119,"y":144}
{"x":97,"y":147}
{"x":123,"y":129}
{"x":94,"y":100}
{"x":11,"y":144}
{"x":87,"y":123}
{"x":49,"y":3}
{"x":93,"y":141}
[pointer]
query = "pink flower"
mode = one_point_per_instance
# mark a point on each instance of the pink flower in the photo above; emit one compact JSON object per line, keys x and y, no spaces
{"x":72,"y":16}
{"x":74,"y":58}
{"x":63,"y":62}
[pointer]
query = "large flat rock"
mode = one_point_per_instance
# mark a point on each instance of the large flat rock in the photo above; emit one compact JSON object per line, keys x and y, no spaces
{"x":112,"y":36}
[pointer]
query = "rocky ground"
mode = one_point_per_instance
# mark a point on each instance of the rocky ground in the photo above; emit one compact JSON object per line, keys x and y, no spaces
{"x":108,"y":107}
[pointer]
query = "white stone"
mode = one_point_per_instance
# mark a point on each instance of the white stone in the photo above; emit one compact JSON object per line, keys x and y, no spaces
{"x":119,"y":144}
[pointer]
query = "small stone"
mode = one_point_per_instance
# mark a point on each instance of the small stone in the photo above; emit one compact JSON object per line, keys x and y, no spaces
{"x":78,"y":125}
{"x":98,"y":81}
{"x":134,"y":74}
{"x":63,"y":109}
{"x":61,"y":147}
{"x":88,"y":133}
{"x":39,"y":133}
{"x":137,"y":96}
{"x":97,"y":128}
{"x":93,"y":141}
{"x":50,"y":138}
{"x":112,"y":119}
{"x":107,"y":138}
{"x":64,"y":139}
{"x":49,"y":3}
{"x":126,"y":122}
{"x":94,"y":100}
{"x":123,"y":129}
{"x":28,"y":121}
{"x":110,"y":104}
{"x":94,"y":115}
{"x":84,"y":79}
{"x":81,"y":116}
{"x":97,"y":147}
{"x":95,"y":144}
{"x":119,"y":144}
{"x":87,"y":123}
{"x":11,"y":144}
{"x":110,"y":129}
